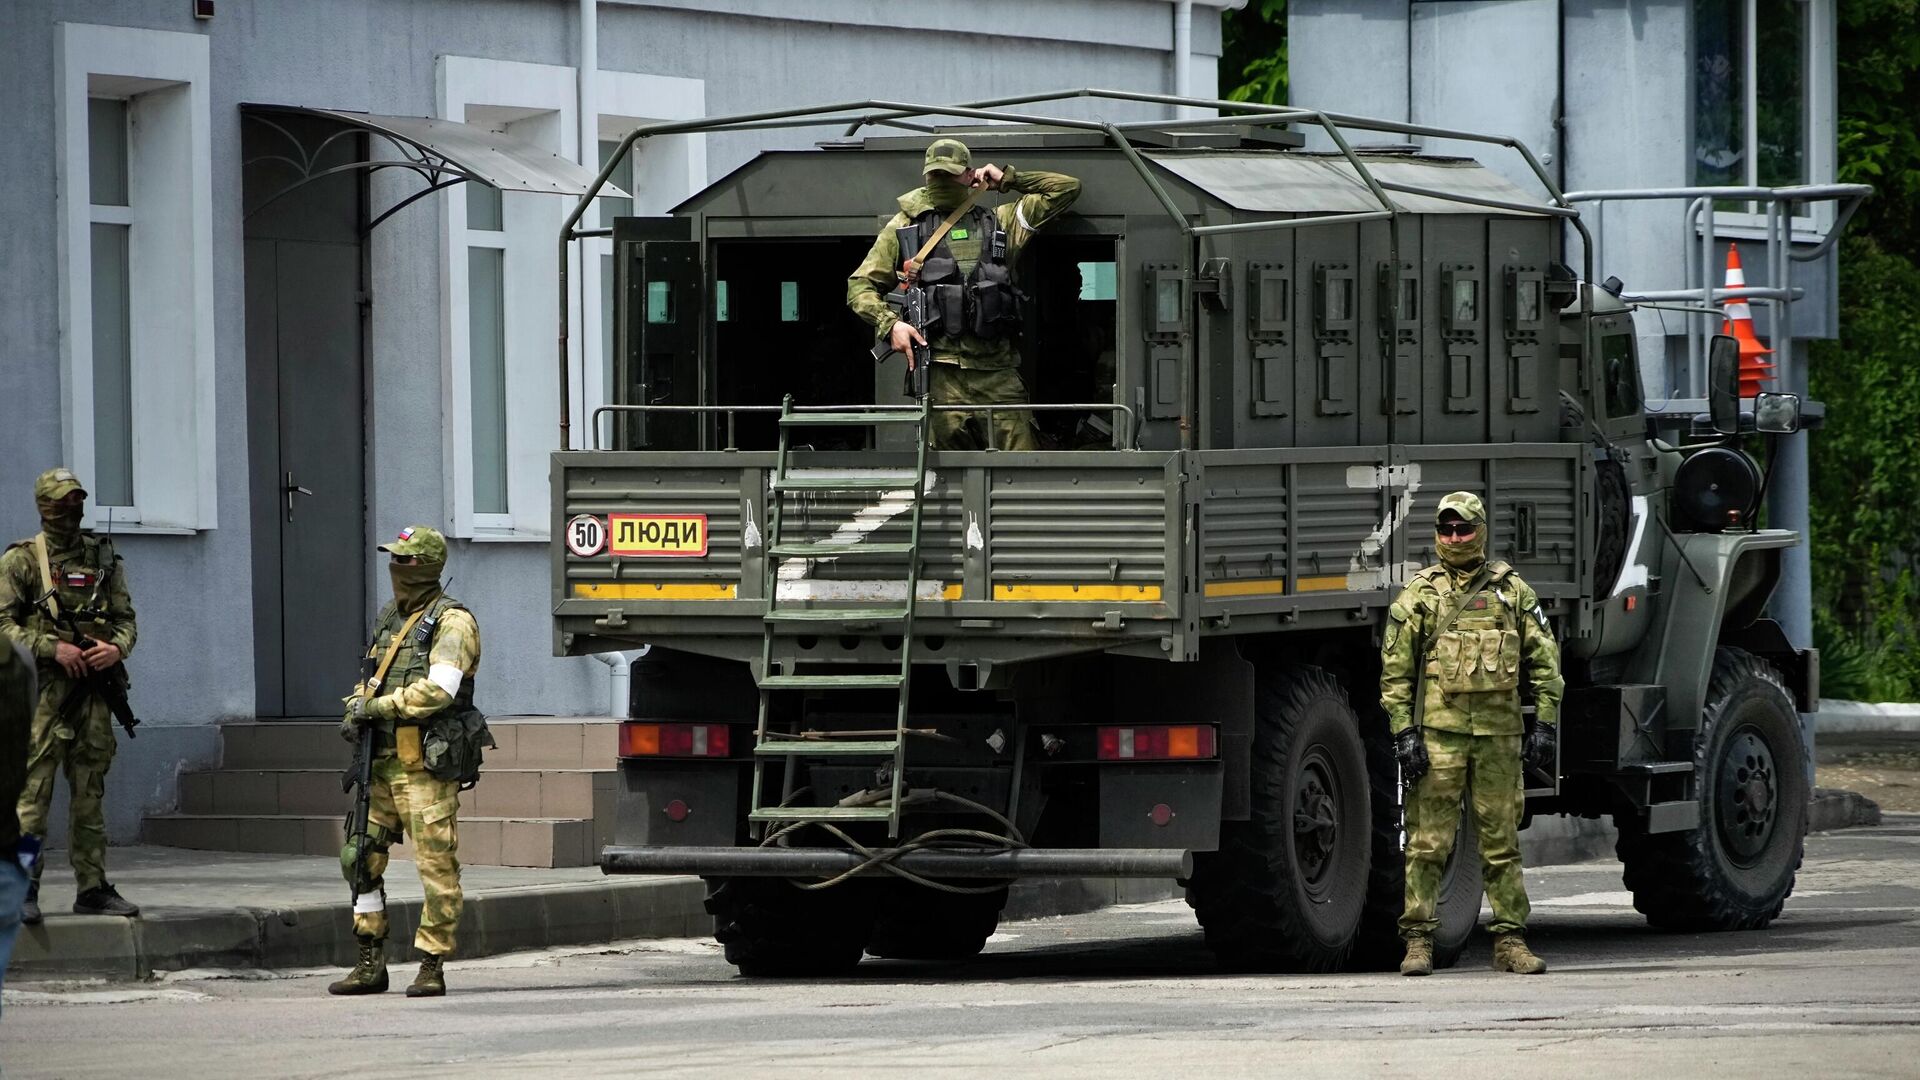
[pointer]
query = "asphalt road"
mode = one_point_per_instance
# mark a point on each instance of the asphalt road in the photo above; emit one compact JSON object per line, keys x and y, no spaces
{"x":1831,"y":990}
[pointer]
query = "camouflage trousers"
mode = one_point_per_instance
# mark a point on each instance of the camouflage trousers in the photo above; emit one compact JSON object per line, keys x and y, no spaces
{"x":83,"y":749}
{"x":1012,"y":429}
{"x":1485,"y":769}
{"x":428,"y":811}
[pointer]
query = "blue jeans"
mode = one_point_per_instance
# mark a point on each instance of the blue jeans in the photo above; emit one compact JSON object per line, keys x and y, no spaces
{"x":13,"y":892}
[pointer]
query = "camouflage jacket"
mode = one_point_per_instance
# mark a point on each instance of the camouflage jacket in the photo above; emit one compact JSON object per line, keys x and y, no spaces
{"x":419,"y":687}
{"x":1472,"y":673}
{"x":104,"y":613}
{"x":1043,"y":195}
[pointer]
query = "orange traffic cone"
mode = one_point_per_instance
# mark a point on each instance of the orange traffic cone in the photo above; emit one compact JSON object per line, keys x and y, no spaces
{"x":1739,"y":323}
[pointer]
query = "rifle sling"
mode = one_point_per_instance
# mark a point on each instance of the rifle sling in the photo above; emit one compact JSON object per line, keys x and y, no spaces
{"x":1420,"y":656}
{"x":46,"y":575}
{"x":393,"y":649}
{"x":911,"y":268}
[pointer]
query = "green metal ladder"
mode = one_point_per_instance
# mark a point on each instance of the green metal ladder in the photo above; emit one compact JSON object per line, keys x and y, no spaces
{"x":788,"y":747}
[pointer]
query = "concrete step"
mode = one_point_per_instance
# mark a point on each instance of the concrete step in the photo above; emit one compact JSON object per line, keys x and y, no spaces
{"x":525,"y":743}
{"x":484,"y":841}
{"x":501,"y":792}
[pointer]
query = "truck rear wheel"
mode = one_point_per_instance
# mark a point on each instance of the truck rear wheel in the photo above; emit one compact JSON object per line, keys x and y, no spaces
{"x":1379,"y":946}
{"x":771,"y":928}
{"x":1737,"y":869}
{"x":918,"y":923}
{"x":1284,"y":891}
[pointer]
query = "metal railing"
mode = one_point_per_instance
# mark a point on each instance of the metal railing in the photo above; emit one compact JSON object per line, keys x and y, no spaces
{"x":1698,"y":229}
{"x":1129,"y":441}
{"x":896,"y":114}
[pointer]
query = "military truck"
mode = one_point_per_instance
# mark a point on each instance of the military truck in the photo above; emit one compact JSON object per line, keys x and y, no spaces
{"x":886,"y":681}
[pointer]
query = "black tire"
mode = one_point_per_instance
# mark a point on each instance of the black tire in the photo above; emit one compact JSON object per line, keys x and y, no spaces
{"x":1379,"y":947}
{"x":771,"y":928}
{"x":918,"y":923}
{"x":1612,"y":522}
{"x":1737,"y":869}
{"x":1284,"y":891}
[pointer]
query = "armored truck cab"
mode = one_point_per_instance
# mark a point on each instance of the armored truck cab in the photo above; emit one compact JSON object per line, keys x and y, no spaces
{"x":885,"y":680}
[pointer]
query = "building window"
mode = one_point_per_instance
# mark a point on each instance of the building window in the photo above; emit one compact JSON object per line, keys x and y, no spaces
{"x":1762,"y":96}
{"x":136,"y":313}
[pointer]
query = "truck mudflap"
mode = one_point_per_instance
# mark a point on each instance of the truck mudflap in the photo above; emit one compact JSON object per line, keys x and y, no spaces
{"x":925,"y":862}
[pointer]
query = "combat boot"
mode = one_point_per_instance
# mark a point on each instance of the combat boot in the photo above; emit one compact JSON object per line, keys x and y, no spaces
{"x":1510,"y":953}
{"x":432,"y":980}
{"x":369,"y":974}
{"x":103,"y":900}
{"x":1419,"y":958}
{"x":30,"y":910}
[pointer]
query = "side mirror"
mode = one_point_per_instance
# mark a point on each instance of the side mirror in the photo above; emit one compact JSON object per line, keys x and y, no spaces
{"x":1723,"y":384}
{"x":1776,"y":414}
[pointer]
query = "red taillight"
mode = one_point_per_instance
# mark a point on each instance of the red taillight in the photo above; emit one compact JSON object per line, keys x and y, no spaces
{"x":1155,"y":743}
{"x":673,"y":740}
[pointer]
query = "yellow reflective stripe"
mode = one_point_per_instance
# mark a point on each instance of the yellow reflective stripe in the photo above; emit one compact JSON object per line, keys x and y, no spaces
{"x":950,"y":591}
{"x":1259,"y":587}
{"x":1323,"y":583}
{"x":1076,"y":592}
{"x":657,"y":590}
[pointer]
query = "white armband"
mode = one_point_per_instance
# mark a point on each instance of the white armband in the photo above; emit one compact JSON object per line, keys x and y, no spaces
{"x":447,"y":677}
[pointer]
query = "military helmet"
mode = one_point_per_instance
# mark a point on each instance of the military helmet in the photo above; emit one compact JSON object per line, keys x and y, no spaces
{"x":422,"y":541}
{"x":56,"y":483}
{"x":1462,"y":504}
{"x":948,"y":156}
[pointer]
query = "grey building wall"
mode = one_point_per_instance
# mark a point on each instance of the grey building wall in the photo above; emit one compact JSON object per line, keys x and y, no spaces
{"x":194,"y":664}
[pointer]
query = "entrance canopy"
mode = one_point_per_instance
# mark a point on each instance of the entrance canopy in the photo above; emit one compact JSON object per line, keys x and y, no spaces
{"x":442,"y":152}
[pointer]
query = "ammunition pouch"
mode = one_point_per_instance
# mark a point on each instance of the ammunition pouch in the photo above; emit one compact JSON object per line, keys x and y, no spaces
{"x":452,"y":745}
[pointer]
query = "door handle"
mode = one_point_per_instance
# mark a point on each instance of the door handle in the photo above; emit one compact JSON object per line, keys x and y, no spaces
{"x":290,"y":489}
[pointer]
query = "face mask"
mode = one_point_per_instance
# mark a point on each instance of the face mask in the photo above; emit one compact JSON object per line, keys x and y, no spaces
{"x":1463,"y":554}
{"x":61,"y":522}
{"x":414,"y":583}
{"x":947,"y":190}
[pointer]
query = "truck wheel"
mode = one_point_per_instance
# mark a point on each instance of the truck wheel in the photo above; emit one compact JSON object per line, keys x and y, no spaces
{"x":1736,"y":870}
{"x":1285,"y":889}
{"x":771,"y":928}
{"x":918,"y":923}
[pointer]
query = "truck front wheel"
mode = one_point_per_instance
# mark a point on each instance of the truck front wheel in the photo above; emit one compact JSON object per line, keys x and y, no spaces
{"x":771,"y":928}
{"x":1736,"y":870}
{"x":1285,"y":890}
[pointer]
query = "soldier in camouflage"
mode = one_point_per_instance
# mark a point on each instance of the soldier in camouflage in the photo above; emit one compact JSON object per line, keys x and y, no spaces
{"x":432,"y":671}
{"x":1473,"y":625}
{"x":968,"y":369}
{"x":65,"y":571}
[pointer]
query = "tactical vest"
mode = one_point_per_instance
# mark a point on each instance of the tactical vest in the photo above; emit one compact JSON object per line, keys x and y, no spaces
{"x":80,"y":582}
{"x":982,"y":302}
{"x":1481,"y":652}
{"x":412,"y":661}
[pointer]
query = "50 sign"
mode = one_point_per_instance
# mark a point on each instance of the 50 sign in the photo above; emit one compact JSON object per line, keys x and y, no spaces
{"x":586,"y":536}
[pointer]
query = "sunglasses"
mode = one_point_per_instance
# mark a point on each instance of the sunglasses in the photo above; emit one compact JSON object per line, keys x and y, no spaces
{"x":1456,"y":528}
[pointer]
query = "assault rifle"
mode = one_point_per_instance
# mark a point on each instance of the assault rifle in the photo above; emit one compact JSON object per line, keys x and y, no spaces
{"x":110,"y":685}
{"x":916,"y":309}
{"x":359,"y":780}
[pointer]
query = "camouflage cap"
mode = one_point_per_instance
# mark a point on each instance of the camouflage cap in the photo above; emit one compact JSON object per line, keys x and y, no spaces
{"x":1463,"y":504}
{"x":56,"y":483}
{"x":948,"y":156}
{"x":419,"y":540}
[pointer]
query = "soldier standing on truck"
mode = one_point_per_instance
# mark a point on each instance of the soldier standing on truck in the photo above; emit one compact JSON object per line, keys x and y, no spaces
{"x":968,"y":272}
{"x":1463,"y":628}
{"x":63,"y":597}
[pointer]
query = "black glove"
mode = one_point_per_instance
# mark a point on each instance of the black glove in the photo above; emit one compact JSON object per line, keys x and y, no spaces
{"x":1538,"y":750}
{"x":1410,"y":750}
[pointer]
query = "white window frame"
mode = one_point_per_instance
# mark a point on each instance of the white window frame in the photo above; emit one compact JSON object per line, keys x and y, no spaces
{"x":1812,"y":221}
{"x":475,"y":90}
{"x":165,"y":77}
{"x":666,"y":171}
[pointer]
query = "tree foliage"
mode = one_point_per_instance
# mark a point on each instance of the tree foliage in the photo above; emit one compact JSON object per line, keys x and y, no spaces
{"x":1865,"y":486}
{"x":1253,"y":61}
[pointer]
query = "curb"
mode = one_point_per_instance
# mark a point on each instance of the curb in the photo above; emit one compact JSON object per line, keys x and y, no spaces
{"x":1833,"y":808}
{"x":1843,"y":717}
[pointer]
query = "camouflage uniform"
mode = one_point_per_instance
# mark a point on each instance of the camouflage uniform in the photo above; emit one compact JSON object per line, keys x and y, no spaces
{"x":90,"y":584}
{"x":405,"y":797}
{"x":967,"y":370}
{"x":1472,"y":724}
